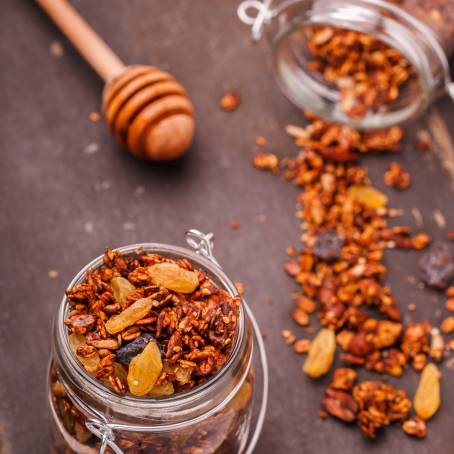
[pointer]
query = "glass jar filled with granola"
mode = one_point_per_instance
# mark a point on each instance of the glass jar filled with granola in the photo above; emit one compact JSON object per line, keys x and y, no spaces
{"x":154,"y":351}
{"x":367,"y":63}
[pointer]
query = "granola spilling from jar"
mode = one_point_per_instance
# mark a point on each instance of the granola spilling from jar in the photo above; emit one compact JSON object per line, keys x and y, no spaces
{"x":346,"y":231}
{"x":149,"y":325}
{"x":368,"y":73}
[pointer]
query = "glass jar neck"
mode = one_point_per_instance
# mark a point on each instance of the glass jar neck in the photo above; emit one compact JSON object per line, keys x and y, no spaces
{"x":167,"y":413}
{"x":381,"y":19}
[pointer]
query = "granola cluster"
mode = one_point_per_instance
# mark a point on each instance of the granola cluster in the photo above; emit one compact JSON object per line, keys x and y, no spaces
{"x":150,"y":325}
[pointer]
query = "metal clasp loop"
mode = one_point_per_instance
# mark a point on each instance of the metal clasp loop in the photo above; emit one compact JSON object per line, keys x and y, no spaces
{"x":202,"y":243}
{"x":263,"y":12}
{"x":102,"y":430}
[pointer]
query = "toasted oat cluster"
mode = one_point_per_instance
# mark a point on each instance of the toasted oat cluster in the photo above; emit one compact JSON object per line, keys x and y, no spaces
{"x":149,"y":325}
{"x":368,"y":73}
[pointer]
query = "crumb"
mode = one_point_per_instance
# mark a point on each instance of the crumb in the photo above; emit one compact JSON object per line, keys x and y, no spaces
{"x":53,"y":274}
{"x":56,"y":49}
{"x":260,"y":141}
{"x":412,"y":307}
{"x":262,"y":218}
{"x":290,"y":251}
{"x":230,"y":101}
{"x":95,"y":117}
{"x":234,"y":225}
{"x":322,"y":415}
{"x":91,"y":148}
{"x":289,"y":337}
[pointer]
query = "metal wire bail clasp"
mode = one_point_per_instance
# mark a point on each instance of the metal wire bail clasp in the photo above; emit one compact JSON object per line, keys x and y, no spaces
{"x":102,"y":430}
{"x":202,"y":243}
{"x":257,"y":21}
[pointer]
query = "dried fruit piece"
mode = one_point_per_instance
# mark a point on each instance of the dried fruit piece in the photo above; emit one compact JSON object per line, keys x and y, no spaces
{"x":321,"y":354}
{"x":166,"y":389}
{"x":328,"y":245}
{"x":173,"y":277}
{"x":437,"y":266}
{"x":415,"y":427}
{"x":90,"y":362}
{"x":427,"y":398}
{"x":340,"y":404}
{"x":126,"y":353}
{"x":368,"y":196}
{"x":121,"y":288}
{"x":129,"y":316}
{"x":144,"y":370}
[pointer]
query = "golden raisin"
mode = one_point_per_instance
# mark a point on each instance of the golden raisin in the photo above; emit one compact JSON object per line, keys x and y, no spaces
{"x":427,"y":398}
{"x":321,"y":354}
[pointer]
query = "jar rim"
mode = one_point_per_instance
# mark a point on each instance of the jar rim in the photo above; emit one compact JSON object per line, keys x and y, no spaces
{"x":148,"y":403}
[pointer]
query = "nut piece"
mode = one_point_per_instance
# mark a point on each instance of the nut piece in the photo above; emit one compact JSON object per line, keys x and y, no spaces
{"x":321,"y":354}
{"x":416,"y":427}
{"x":427,"y":398}
{"x":340,"y":404}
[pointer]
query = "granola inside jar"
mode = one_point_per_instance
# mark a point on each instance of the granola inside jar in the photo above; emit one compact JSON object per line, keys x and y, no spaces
{"x":370,"y":64}
{"x":204,"y":404}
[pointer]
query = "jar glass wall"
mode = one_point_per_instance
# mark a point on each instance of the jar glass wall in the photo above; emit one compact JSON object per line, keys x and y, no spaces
{"x":212,"y":417}
{"x":423,"y":39}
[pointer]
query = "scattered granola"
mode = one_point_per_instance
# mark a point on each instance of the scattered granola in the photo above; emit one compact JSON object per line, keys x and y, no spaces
{"x":148,"y":324}
{"x":340,"y":268}
{"x":368,"y":73}
{"x":234,"y":225}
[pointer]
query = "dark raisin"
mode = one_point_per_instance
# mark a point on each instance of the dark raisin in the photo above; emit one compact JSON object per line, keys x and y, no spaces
{"x":128,"y":351}
{"x":437,"y":266}
{"x":328,"y":245}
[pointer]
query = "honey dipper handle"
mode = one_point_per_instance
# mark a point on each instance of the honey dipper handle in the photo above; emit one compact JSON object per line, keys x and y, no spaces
{"x":89,"y":44}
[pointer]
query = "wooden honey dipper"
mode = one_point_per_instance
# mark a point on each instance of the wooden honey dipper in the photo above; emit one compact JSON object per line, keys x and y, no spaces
{"x":146,"y":109}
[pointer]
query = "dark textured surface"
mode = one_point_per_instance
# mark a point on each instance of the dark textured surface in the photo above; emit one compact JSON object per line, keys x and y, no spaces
{"x":61,"y":206}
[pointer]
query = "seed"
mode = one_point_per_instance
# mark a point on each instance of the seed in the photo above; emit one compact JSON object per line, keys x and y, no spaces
{"x":427,"y":398}
{"x":321,"y":354}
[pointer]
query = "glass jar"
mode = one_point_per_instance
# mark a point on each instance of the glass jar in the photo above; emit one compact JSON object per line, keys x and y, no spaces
{"x":421,"y":30}
{"x":87,"y":417}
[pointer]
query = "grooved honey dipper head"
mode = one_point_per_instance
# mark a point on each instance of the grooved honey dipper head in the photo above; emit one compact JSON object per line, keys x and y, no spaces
{"x":149,"y":113}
